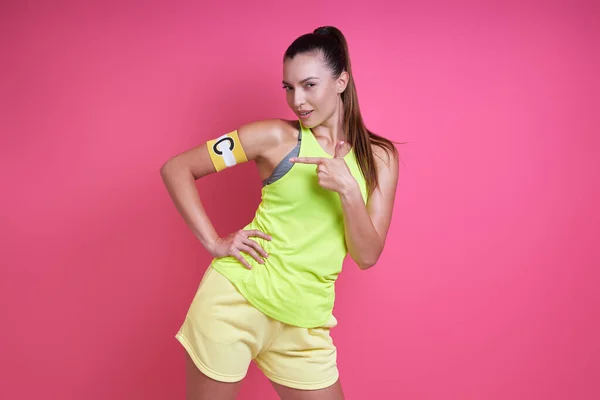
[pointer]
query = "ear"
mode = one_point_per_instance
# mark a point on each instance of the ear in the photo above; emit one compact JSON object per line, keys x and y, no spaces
{"x":342,"y":81}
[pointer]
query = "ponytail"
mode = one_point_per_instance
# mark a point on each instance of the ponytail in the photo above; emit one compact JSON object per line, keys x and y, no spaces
{"x":332,"y":44}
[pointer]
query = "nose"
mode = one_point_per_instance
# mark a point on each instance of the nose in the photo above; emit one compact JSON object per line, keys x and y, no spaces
{"x":299,"y":99}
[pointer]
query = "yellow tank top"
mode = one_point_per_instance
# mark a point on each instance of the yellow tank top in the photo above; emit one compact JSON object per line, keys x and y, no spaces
{"x":308,"y":246}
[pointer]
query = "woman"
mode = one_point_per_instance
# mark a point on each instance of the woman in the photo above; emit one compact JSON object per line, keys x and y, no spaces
{"x":328,"y":190}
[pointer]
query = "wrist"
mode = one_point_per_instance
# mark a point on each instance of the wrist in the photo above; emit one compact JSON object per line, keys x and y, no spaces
{"x":209,"y":243}
{"x":350,"y":192}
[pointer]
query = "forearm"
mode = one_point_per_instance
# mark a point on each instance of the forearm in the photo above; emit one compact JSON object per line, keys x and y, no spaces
{"x":180,"y":184}
{"x":363,"y":241}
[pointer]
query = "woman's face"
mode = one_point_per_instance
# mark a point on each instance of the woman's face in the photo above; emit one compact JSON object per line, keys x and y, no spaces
{"x":311,"y":90}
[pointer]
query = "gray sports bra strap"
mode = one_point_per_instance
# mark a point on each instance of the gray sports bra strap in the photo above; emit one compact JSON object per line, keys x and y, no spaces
{"x":284,"y":165}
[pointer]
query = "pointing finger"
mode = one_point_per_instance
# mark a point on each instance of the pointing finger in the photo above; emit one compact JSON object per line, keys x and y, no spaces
{"x":307,"y":160}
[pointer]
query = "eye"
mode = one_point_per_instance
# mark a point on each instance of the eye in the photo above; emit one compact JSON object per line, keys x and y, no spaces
{"x":287,"y":88}
{"x":308,"y":85}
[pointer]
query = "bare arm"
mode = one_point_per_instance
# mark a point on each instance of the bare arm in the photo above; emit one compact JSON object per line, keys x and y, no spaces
{"x":180,"y":173}
{"x":366,"y":227}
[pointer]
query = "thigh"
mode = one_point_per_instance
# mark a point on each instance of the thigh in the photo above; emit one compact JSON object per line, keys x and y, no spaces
{"x":201,"y":387}
{"x":333,"y":392}
{"x":303,"y":359}
{"x":221,"y":333}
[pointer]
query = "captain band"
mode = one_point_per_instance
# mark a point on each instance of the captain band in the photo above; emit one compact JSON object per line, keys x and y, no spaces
{"x":226,"y":151}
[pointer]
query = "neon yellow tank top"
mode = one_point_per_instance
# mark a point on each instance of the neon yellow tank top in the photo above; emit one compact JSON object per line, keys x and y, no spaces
{"x":308,"y":246}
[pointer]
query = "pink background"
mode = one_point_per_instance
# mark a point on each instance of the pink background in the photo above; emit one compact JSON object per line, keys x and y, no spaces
{"x":488,"y":287}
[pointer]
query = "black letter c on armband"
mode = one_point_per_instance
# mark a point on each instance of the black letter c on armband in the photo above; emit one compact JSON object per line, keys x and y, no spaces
{"x":216,"y":145}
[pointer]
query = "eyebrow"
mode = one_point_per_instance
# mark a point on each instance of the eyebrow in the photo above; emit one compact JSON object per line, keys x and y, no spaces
{"x":302,"y":81}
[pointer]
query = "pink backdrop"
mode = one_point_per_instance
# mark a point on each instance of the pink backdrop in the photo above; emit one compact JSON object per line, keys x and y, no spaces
{"x":488,"y":288}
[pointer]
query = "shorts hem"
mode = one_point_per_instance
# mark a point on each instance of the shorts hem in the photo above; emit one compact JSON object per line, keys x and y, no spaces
{"x":303,"y":385}
{"x":203,"y":367}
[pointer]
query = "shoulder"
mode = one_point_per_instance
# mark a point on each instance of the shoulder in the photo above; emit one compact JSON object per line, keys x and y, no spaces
{"x":268,"y":131}
{"x":261,"y":136}
{"x":387,"y":168}
{"x":385,"y":157}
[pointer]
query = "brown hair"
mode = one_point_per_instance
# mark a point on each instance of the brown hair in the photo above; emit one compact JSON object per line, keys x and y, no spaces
{"x":332,"y":44}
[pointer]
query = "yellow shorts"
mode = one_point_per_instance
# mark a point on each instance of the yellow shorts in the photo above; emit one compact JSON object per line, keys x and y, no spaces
{"x":222,"y":333}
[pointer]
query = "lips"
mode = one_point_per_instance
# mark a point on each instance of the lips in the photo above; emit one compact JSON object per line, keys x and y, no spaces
{"x":304,"y":113}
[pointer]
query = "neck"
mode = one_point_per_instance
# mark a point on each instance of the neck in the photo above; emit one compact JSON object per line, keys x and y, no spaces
{"x":333,"y":128}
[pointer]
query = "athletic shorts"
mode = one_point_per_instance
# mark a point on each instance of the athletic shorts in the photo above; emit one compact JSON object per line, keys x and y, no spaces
{"x":222,"y":332}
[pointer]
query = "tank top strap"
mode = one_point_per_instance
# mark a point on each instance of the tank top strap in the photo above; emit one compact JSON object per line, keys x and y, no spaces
{"x":312,"y":148}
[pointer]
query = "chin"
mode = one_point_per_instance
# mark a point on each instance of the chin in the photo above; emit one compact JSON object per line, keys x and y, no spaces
{"x":312,"y":123}
{"x":308,"y":124}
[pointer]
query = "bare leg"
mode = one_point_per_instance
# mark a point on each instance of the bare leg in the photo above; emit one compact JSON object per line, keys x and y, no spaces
{"x":333,"y":392}
{"x":201,"y":387}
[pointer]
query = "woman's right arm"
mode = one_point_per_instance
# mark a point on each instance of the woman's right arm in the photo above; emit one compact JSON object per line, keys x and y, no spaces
{"x":180,"y":173}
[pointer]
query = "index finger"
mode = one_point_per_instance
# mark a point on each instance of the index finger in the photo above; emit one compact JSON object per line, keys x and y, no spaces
{"x":307,"y":160}
{"x":256,"y":232}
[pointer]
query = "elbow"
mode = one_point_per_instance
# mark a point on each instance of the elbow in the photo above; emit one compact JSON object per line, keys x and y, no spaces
{"x":164,"y":169}
{"x":168,"y":168}
{"x":367,"y":263}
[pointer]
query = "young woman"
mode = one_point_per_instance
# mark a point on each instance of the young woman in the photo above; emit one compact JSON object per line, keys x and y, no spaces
{"x":328,"y":190}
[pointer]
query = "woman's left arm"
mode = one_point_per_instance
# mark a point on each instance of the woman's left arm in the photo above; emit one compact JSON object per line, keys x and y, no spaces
{"x":366,"y":226}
